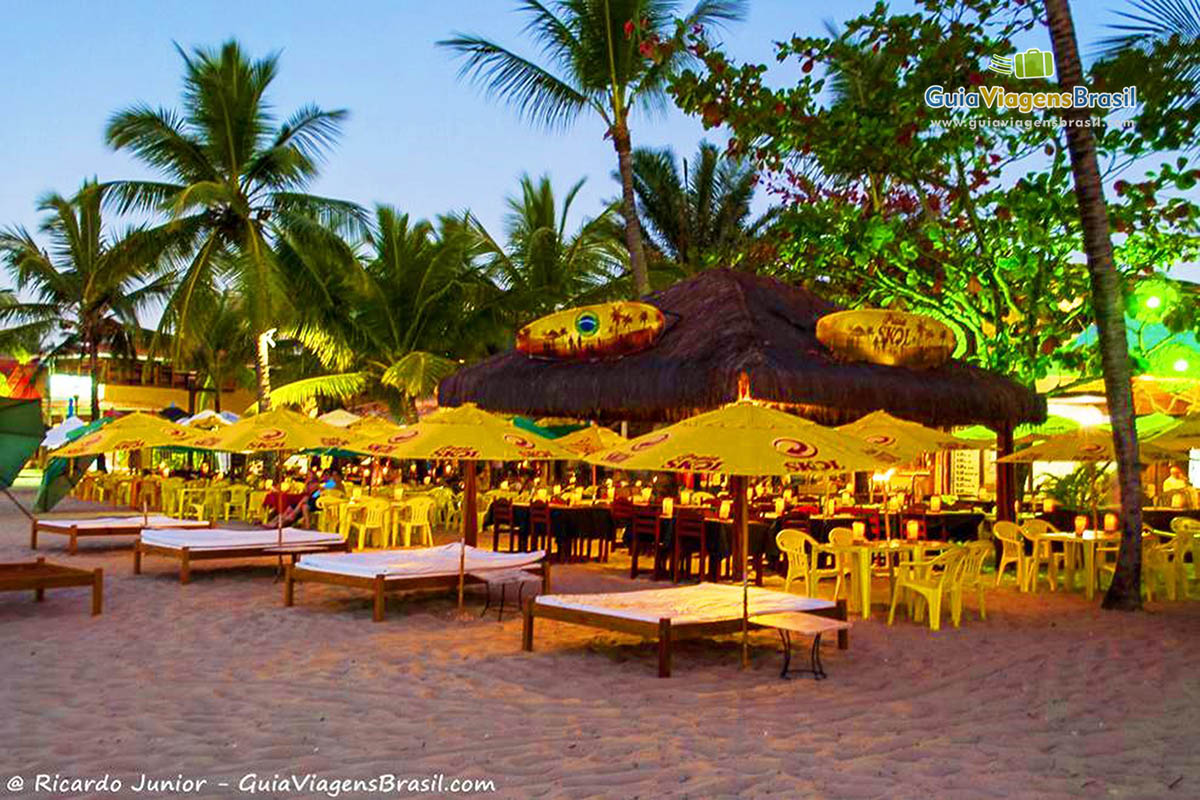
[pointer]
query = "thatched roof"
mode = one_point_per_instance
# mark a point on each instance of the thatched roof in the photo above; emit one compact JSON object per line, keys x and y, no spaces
{"x":721,"y":324}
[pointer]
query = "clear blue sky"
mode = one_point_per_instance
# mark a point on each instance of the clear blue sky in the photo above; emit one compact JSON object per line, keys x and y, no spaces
{"x":417,"y":137}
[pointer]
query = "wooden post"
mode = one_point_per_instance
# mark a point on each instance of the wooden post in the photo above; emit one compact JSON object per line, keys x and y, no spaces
{"x":97,"y":592}
{"x":185,"y":565}
{"x":527,"y":627}
{"x":73,"y":544}
{"x":545,"y":576}
{"x":470,"y":504}
{"x":379,"y":601}
{"x":664,"y":648}
{"x":1006,"y":475}
{"x":33,"y":535}
{"x":137,"y":557}
{"x":289,"y":596}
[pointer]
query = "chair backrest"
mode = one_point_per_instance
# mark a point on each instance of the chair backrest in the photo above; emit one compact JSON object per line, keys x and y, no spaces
{"x":418,"y":509}
{"x":841,"y":537}
{"x":1185,"y":525}
{"x":794,"y":545}
{"x":502,"y":511}
{"x":1006,"y":531}
{"x":976,"y":554}
{"x":1038,"y":526}
{"x":539,"y":514}
{"x":375,"y":512}
{"x":622,"y":510}
{"x":946,"y":567}
{"x":689,"y":522}
{"x":1029,"y":532}
{"x":645,"y":521}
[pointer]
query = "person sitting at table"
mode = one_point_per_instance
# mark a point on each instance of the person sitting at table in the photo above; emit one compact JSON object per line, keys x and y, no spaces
{"x":1176,"y":485}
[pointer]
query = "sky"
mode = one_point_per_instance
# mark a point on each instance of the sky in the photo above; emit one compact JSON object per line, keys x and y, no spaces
{"x":418,"y":137}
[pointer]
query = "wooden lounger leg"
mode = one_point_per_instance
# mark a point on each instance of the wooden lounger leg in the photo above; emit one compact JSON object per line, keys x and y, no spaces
{"x":39,"y":594}
{"x":289,"y":596}
{"x":843,"y":635}
{"x":73,"y":545}
{"x":379,"y":603}
{"x":185,"y":566}
{"x":527,"y":629}
{"x":137,"y":557}
{"x":97,"y":592}
{"x":664,"y":648}
{"x":33,"y":535}
{"x":545,"y":577}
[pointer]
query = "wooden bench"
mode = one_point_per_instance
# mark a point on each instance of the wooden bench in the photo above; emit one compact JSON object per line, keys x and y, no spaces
{"x":806,"y":625}
{"x":39,"y":576}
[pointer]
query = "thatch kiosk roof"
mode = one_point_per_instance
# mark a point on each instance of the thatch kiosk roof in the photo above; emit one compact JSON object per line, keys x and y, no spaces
{"x":721,"y":324}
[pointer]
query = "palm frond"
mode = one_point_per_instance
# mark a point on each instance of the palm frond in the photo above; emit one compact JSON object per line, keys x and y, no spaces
{"x":418,"y":373}
{"x":343,"y":387}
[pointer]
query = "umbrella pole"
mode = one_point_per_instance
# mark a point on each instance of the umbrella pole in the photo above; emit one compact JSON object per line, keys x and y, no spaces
{"x":738,"y":484}
{"x":469,"y":522}
{"x":279,"y":502}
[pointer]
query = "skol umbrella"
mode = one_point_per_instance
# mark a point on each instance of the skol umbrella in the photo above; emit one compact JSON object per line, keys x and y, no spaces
{"x":590,"y":440}
{"x":277,"y":431}
{"x":1086,"y":444}
{"x":21,"y":432}
{"x":906,"y":440}
{"x":135,"y":431}
{"x":746,"y":439}
{"x":468,"y":434}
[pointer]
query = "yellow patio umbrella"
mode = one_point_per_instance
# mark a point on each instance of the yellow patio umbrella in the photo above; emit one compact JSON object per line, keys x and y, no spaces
{"x":1085,"y":444}
{"x":374,"y":427}
{"x":906,"y":440}
{"x":746,"y":439}
{"x":590,"y":440}
{"x":468,"y":434}
{"x":276,"y":431}
{"x":135,"y":431}
{"x":1178,"y":440}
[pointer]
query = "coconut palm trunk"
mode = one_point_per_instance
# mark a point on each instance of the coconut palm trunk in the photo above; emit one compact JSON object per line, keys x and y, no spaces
{"x":1125,"y":591}
{"x":633,"y":230}
{"x":262,"y":371}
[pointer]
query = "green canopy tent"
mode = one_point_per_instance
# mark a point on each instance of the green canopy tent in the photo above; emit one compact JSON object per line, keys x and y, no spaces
{"x":61,"y":474}
{"x":21,"y":432}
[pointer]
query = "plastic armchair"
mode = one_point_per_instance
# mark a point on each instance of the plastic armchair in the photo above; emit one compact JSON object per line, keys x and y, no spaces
{"x":255,"y":506}
{"x":930,"y":581}
{"x":416,"y":518}
{"x":236,"y":503}
{"x":1187,"y":536}
{"x":791,"y":543}
{"x":1009,"y":536}
{"x":372,"y":517}
{"x":1042,"y":553}
{"x":193,"y":502}
{"x":330,"y":506}
{"x":1157,"y":567}
{"x":970,"y":579}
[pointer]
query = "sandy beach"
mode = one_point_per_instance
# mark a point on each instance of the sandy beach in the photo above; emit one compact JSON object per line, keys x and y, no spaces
{"x":217,"y":680}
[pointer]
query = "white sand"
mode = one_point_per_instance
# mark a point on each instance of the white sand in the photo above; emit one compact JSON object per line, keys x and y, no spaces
{"x":1049,"y":698}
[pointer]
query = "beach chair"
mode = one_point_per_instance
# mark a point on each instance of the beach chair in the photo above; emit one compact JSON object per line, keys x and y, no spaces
{"x":928,"y":583}
{"x":415,"y":518}
{"x":1009,"y":536}
{"x":370,"y":519}
{"x":795,"y":549}
{"x":970,"y":580}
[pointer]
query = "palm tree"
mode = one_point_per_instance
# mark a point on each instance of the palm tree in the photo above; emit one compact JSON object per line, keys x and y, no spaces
{"x":234,"y":183}
{"x":542,"y":266}
{"x":699,"y":217}
{"x":1125,"y":590}
{"x":392,"y":324}
{"x":220,"y":345}
{"x":598,"y":55}
{"x":88,"y":286}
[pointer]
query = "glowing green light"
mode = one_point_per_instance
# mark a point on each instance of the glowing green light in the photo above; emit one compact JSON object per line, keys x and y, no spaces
{"x":1153,"y":301}
{"x":1180,"y":365}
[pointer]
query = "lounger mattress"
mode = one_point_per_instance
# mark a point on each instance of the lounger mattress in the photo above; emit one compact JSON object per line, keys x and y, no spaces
{"x":228,"y":539}
{"x":702,"y":603}
{"x":100,"y":523}
{"x":418,"y":562}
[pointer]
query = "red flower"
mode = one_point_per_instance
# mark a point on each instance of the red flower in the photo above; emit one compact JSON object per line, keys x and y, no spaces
{"x":808,"y":66}
{"x":628,"y":29}
{"x":975,"y":79}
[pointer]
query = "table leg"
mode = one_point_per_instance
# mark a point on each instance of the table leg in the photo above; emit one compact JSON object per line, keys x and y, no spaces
{"x":33,"y":535}
{"x":379,"y":599}
{"x":1070,"y":556}
{"x":664,"y":648}
{"x":97,"y":592}
{"x":185,"y":566}
{"x":864,"y":579}
{"x":1089,"y":567}
{"x":289,"y":591}
{"x":527,"y":628}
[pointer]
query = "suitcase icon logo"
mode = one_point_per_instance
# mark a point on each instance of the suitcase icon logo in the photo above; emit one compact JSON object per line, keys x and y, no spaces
{"x":1033,"y":63}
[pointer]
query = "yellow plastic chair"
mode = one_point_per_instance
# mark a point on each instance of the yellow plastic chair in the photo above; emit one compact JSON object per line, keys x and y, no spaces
{"x":791,"y":543}
{"x":193,"y":502}
{"x":1157,"y":568}
{"x":1009,"y":535}
{"x":1187,"y":537}
{"x":970,"y":579}
{"x":330,"y":507}
{"x":929,"y":581}
{"x":415,"y":517}
{"x":371,"y":519}
{"x":255,"y":509}
{"x":1041,"y":553}
{"x":236,"y":502}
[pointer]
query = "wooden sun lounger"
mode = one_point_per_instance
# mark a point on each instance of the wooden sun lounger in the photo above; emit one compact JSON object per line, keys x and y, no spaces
{"x":186,"y":555}
{"x":665,"y":630}
{"x":382,"y":585}
{"x":74,"y":531}
{"x":39,"y":576}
